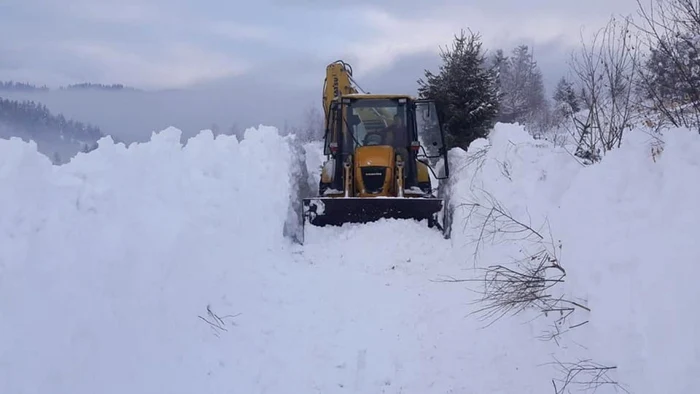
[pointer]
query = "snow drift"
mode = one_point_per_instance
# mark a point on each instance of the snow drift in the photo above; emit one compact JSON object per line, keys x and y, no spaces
{"x":624,"y":231}
{"x":163,"y":268}
{"x":107,"y":262}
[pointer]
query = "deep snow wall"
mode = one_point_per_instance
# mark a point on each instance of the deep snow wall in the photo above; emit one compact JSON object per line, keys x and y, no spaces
{"x":630,"y":227}
{"x":163,"y":268}
{"x":625,"y":231}
{"x":159,"y":268}
{"x":107,"y":261}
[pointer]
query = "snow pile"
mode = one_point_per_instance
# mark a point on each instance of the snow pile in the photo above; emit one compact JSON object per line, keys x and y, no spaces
{"x":314,"y":161}
{"x":107,"y":262}
{"x":57,"y":144}
{"x":509,"y":176}
{"x":622,"y":229}
{"x":629,"y":228}
{"x":159,"y":268}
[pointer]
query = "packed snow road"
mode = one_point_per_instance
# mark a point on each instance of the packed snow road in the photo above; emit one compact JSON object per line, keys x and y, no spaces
{"x":169,"y":269}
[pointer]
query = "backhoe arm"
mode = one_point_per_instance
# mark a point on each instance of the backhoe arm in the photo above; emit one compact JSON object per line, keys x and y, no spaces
{"x":338,"y":82}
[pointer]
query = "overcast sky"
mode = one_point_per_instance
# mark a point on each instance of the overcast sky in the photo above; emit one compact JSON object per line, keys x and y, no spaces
{"x":176,"y":43}
{"x":261,"y":61}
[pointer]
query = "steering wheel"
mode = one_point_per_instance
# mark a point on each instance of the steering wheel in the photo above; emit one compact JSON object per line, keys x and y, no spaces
{"x":373,"y":138}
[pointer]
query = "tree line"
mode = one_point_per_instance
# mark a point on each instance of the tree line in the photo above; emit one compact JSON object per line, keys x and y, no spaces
{"x":643,"y":73}
{"x":28,"y":87}
{"x":21,"y":86}
{"x":37,"y":122}
{"x":35,"y":118}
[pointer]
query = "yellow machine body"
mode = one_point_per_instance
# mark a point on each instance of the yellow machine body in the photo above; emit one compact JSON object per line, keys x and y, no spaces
{"x":374,"y":168}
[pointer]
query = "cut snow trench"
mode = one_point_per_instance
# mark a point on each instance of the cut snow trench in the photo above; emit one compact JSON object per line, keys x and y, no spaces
{"x":109,"y":264}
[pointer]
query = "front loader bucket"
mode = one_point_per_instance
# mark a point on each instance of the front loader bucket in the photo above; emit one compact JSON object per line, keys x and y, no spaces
{"x":335,"y":211}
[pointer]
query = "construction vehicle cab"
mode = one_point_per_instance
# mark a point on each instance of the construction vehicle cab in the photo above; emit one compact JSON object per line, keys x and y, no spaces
{"x":381,"y":152}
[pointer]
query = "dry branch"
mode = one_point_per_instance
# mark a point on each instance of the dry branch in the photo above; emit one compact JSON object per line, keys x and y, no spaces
{"x":606,"y":71}
{"x":526,"y":283}
{"x":217,"y":322}
{"x":583,"y":373}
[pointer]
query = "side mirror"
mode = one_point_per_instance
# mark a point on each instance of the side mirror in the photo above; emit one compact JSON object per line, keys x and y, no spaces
{"x":415,"y":146}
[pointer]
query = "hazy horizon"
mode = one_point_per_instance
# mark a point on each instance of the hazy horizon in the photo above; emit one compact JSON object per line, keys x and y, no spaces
{"x":249,"y":63}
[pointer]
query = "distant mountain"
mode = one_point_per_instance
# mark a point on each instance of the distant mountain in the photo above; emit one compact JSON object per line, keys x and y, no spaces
{"x":57,"y":137}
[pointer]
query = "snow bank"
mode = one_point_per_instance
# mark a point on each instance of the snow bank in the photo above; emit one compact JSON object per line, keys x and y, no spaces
{"x":162,"y":268}
{"x":629,"y":227}
{"x":314,"y":162}
{"x":522,"y":177}
{"x":159,"y":268}
{"x":626,"y":230}
{"x":107,"y":262}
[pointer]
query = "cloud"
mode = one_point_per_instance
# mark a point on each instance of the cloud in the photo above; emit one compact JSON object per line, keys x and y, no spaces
{"x":149,"y":43}
{"x":393,"y":37}
{"x":159,"y":43}
{"x":236,"y":31}
{"x":121,"y":12}
{"x":173,"y":65}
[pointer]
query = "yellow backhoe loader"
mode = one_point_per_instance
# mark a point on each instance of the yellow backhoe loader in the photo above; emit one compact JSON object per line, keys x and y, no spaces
{"x":380,"y":150}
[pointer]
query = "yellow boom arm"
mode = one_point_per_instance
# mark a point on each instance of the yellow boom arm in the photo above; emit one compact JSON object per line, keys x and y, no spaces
{"x":338,"y":82}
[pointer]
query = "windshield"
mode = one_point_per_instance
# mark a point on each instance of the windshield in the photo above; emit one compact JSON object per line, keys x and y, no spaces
{"x":377,"y":122}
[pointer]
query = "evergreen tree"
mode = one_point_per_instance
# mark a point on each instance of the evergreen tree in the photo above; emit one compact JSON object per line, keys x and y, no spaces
{"x":236,"y":130}
{"x":500,"y":63}
{"x":522,"y":89}
{"x":215,"y":129}
{"x":35,"y":119}
{"x":97,"y":86}
{"x":314,"y":125}
{"x":669,"y":80}
{"x":674,"y":72}
{"x":21,"y":86}
{"x":465,"y":91}
{"x":565,"y":99}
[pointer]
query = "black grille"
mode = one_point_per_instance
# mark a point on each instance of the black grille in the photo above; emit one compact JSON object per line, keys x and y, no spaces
{"x":373,"y":178}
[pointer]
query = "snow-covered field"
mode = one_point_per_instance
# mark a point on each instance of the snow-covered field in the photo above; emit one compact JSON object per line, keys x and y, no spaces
{"x":166,"y":269}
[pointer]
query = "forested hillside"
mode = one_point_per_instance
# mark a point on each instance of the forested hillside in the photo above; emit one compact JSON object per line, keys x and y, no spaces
{"x":56,"y":137}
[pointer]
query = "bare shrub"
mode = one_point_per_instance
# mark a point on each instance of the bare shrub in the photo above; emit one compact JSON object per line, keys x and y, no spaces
{"x":528,"y":284}
{"x":605,"y":70}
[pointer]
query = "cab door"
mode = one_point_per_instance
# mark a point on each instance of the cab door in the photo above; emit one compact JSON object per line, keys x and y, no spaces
{"x":431,"y":137}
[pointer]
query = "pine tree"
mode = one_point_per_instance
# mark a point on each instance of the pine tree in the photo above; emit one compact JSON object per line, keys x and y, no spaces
{"x":215,"y":129}
{"x":465,"y":91}
{"x":668,"y":81}
{"x":522,"y":89}
{"x":501,"y":65}
{"x":565,"y":99}
{"x":313,"y":126}
{"x":36,"y":119}
{"x":674,"y":72}
{"x":535,"y":98}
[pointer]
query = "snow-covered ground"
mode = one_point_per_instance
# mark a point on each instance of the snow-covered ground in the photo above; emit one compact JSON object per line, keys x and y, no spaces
{"x":166,"y":269}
